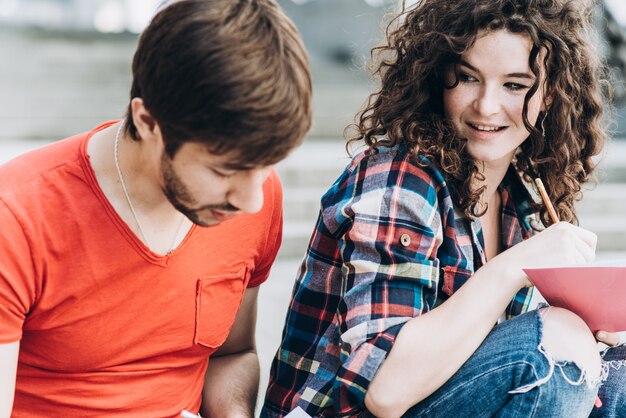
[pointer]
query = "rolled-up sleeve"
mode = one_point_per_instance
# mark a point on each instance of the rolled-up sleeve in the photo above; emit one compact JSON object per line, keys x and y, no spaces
{"x":370,"y":267}
{"x":390,"y":269}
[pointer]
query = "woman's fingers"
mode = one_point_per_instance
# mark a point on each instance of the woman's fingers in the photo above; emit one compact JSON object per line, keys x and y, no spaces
{"x":608,"y":338}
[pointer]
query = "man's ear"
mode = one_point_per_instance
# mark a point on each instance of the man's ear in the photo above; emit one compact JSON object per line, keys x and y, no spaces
{"x":147,"y":127}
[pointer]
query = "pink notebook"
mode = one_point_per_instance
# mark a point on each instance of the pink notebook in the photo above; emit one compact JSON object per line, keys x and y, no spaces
{"x":595,"y":291}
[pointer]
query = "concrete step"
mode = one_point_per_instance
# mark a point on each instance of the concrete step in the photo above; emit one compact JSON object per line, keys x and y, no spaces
{"x":76,"y":81}
{"x":296,"y":236}
{"x":303,"y":203}
{"x":615,"y":174}
{"x":605,"y":199}
{"x":611,"y":255}
{"x":317,"y":163}
{"x":612,"y":164}
{"x":611,"y":231}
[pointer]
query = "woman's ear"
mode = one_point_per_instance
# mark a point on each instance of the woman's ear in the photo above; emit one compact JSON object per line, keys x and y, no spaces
{"x":546,"y":103}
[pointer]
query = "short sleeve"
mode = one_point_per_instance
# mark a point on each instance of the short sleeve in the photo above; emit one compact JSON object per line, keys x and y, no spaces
{"x":17,"y":284}
{"x":273,"y":194}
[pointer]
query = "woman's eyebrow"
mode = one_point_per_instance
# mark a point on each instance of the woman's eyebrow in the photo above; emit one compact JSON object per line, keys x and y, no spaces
{"x":514,"y":75}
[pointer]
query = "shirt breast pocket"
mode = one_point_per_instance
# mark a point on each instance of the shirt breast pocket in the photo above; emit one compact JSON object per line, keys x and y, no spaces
{"x":454,"y":278}
{"x":217,"y":301}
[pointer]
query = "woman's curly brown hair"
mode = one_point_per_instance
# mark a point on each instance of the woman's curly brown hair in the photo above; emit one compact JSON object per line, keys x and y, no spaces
{"x":424,"y":40}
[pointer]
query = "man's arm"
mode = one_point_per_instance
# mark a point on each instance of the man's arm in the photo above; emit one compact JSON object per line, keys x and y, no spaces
{"x":8,"y":368}
{"x":231,"y":383}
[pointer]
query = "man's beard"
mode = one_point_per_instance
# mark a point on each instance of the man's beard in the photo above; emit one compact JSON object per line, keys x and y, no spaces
{"x":177,"y":193}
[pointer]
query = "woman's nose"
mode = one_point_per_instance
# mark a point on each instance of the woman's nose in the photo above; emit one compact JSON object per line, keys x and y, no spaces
{"x":488,"y":101}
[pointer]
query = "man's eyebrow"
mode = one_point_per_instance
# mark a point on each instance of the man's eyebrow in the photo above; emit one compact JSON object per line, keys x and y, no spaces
{"x":514,"y":75}
{"x":238,"y":166}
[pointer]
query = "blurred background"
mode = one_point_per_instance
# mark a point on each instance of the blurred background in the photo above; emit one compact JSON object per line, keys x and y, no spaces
{"x":65,"y":67}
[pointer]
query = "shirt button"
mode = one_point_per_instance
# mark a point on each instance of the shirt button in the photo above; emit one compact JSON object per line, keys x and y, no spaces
{"x":405,"y":240}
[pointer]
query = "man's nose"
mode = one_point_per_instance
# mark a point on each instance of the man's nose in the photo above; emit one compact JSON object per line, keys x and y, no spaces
{"x":246,"y":192}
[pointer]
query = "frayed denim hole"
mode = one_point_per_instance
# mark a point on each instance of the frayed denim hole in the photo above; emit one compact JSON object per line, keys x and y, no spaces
{"x":540,"y":381}
{"x":542,"y":313}
{"x":607,"y":365}
{"x":583,"y":377}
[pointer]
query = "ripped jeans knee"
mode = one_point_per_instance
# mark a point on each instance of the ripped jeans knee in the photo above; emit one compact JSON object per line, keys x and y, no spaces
{"x":570,"y":370}
{"x":512,"y":375}
{"x":576,"y":376}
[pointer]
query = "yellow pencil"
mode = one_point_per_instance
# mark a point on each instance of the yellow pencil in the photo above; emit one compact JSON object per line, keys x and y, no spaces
{"x":546,"y":200}
{"x":555,"y":219}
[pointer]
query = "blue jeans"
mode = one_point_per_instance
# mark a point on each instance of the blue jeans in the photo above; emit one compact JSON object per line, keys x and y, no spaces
{"x":510,"y":375}
{"x":613,"y":389}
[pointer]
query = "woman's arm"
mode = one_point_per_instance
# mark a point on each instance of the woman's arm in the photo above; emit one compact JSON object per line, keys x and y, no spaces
{"x":430,"y":348}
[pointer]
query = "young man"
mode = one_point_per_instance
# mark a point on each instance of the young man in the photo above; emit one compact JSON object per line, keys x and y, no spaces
{"x":131,"y":254}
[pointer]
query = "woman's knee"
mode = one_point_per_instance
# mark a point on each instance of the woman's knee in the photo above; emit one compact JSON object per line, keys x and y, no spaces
{"x":566,"y":337}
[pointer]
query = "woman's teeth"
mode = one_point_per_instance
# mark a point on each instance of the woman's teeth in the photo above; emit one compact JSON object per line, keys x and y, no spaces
{"x":486,"y":128}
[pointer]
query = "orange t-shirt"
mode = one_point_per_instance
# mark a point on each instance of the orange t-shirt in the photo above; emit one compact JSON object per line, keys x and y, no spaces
{"x":106,"y":326}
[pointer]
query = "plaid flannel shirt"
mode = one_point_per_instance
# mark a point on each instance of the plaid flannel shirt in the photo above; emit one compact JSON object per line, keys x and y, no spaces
{"x":388,"y":246}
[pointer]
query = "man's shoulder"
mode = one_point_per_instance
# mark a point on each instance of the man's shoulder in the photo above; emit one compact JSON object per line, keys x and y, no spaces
{"x":272,"y":188}
{"x":272,"y":198}
{"x":27,"y":168}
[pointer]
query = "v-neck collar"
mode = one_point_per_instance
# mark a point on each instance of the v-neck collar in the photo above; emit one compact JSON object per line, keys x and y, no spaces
{"x":135,"y":242}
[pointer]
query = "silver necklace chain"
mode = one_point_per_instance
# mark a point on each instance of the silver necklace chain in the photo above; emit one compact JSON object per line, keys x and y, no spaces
{"x":120,"y":176}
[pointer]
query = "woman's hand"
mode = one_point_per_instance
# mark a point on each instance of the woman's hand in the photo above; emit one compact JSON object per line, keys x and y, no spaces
{"x":560,"y":244}
{"x":609,"y":338}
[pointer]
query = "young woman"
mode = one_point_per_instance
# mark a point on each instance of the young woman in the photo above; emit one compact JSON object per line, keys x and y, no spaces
{"x":420,"y":245}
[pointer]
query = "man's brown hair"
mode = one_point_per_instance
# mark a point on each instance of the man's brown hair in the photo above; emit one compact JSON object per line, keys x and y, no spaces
{"x":230,"y":74}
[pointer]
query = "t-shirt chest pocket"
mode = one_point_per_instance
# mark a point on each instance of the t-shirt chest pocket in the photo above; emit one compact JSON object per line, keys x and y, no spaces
{"x":217,"y":302}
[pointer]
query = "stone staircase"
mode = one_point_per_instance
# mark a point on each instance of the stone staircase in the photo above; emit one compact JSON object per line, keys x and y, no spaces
{"x":603,"y":208}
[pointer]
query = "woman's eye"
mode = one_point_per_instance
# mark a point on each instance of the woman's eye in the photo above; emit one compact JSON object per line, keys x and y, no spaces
{"x":466,"y":78}
{"x":515,"y":86}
